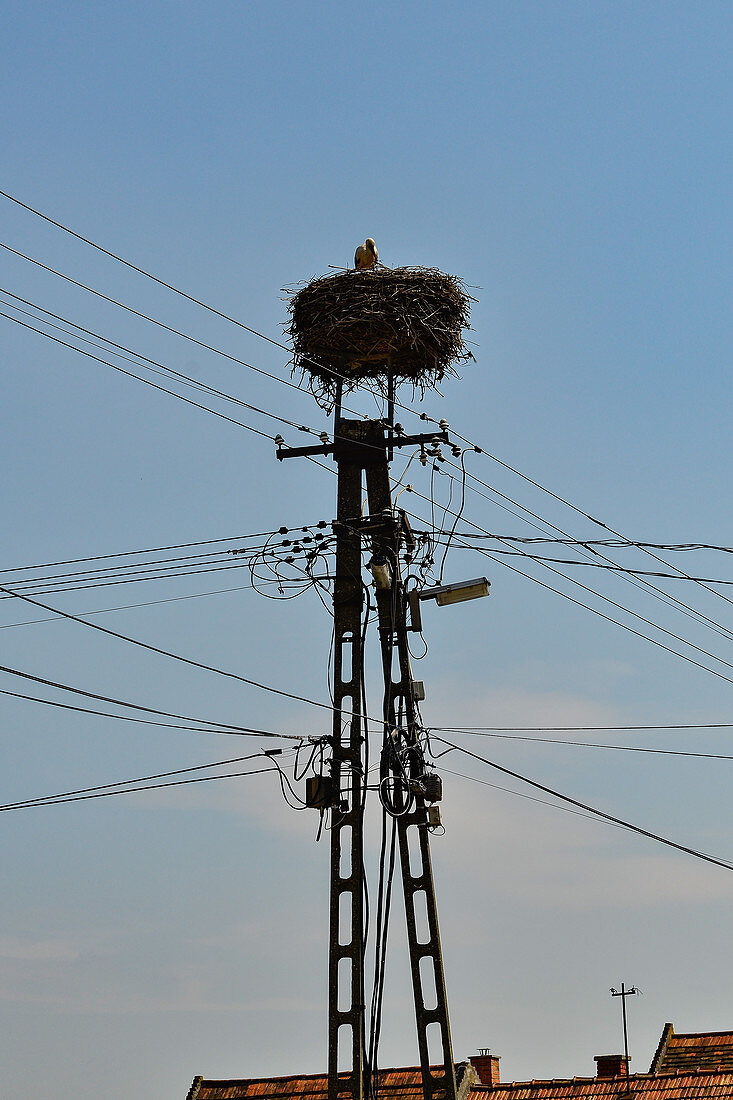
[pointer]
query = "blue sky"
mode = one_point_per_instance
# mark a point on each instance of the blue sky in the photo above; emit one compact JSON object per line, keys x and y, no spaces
{"x":569,"y":161}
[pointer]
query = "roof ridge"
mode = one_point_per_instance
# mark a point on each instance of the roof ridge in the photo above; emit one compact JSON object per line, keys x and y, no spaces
{"x":302,"y":1076}
{"x":700,"y":1034}
{"x":693,"y":1071}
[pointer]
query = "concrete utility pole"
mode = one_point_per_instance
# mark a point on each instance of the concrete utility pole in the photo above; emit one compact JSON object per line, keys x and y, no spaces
{"x":362,"y":450}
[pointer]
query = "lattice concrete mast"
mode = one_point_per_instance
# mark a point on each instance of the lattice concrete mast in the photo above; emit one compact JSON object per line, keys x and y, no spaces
{"x":353,"y":354}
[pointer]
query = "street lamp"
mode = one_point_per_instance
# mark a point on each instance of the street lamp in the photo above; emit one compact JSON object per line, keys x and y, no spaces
{"x":444,"y":594}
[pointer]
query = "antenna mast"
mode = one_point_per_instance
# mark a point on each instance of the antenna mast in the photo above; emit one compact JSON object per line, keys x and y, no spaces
{"x":623,"y":993}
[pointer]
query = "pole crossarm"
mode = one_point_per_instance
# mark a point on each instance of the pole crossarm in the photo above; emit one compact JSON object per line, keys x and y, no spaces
{"x":392,"y":440}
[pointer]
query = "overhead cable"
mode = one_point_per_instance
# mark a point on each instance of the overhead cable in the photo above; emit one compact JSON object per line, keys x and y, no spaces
{"x":57,"y":800}
{"x":638,"y":582}
{"x":586,"y":729}
{"x":143,"y":603}
{"x":140,"y":270}
{"x":128,"y":782}
{"x":139,"y":378}
{"x":176,"y":290}
{"x":599,"y":523}
{"x":606,"y":599}
{"x":130,"y":553}
{"x":588,"y":564}
{"x":139,"y":359}
{"x":153,"y":320}
{"x":590,"y":809}
{"x":237,"y":731}
{"x":588,"y":744}
{"x":166,"y":653}
{"x":614,"y":543}
{"x":223,"y":727}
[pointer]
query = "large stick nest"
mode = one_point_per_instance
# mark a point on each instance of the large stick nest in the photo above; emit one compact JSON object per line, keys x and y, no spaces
{"x":365,"y":326}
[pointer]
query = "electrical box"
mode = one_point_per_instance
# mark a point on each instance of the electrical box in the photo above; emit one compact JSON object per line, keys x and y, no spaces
{"x":435,"y":817}
{"x":318,"y":792}
{"x":418,"y":690}
{"x":432,"y":786}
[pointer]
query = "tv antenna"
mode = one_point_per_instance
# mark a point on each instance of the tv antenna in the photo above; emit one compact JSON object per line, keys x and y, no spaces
{"x":623,"y":993}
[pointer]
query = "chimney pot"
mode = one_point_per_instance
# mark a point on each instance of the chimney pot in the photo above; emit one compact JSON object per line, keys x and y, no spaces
{"x":486,"y":1066}
{"x":611,"y":1065}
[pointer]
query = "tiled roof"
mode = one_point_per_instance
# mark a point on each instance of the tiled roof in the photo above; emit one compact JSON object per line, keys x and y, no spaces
{"x":691,"y":1085}
{"x":703,"y":1050}
{"x":394,"y":1084}
{"x":685,"y":1067}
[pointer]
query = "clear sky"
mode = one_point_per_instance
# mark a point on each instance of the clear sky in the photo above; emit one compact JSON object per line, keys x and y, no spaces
{"x":570,"y":161}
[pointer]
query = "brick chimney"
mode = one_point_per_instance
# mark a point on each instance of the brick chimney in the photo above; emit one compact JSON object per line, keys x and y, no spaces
{"x":611,"y":1065}
{"x":486,"y":1065}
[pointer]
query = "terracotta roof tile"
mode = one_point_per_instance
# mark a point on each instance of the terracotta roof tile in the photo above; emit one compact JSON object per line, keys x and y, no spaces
{"x":704,"y":1050}
{"x":395,"y":1084}
{"x":683,"y":1085}
{"x":685,"y":1067}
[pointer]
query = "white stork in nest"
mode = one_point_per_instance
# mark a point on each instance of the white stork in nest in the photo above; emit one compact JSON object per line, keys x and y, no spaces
{"x":366,"y":255}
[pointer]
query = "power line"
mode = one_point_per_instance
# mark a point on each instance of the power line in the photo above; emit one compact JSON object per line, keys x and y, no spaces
{"x":594,"y":610}
{"x":142,"y":271}
{"x":146,"y":381}
{"x":173,"y":393}
{"x":423,"y":415}
{"x":178,"y":291}
{"x":200,"y":343}
{"x":237,"y":731}
{"x":153,"y":320}
{"x":57,"y":800}
{"x":640,"y":583}
{"x":626,"y":572}
{"x":191,"y":339}
{"x":128,"y":782}
{"x":591,"y":809}
{"x":170,"y":546}
{"x":278,"y":343}
{"x":149,"y":603}
{"x":138,"y":356}
{"x":591,"y":564}
{"x":190,"y":561}
{"x":167,"y":653}
{"x":516,"y":794}
{"x":587,"y":744}
{"x":134,"y":578}
{"x":614,"y":543}
{"x":599,"y":523}
{"x":586,"y":729}
{"x":223,"y":727}
{"x":273,"y":549}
